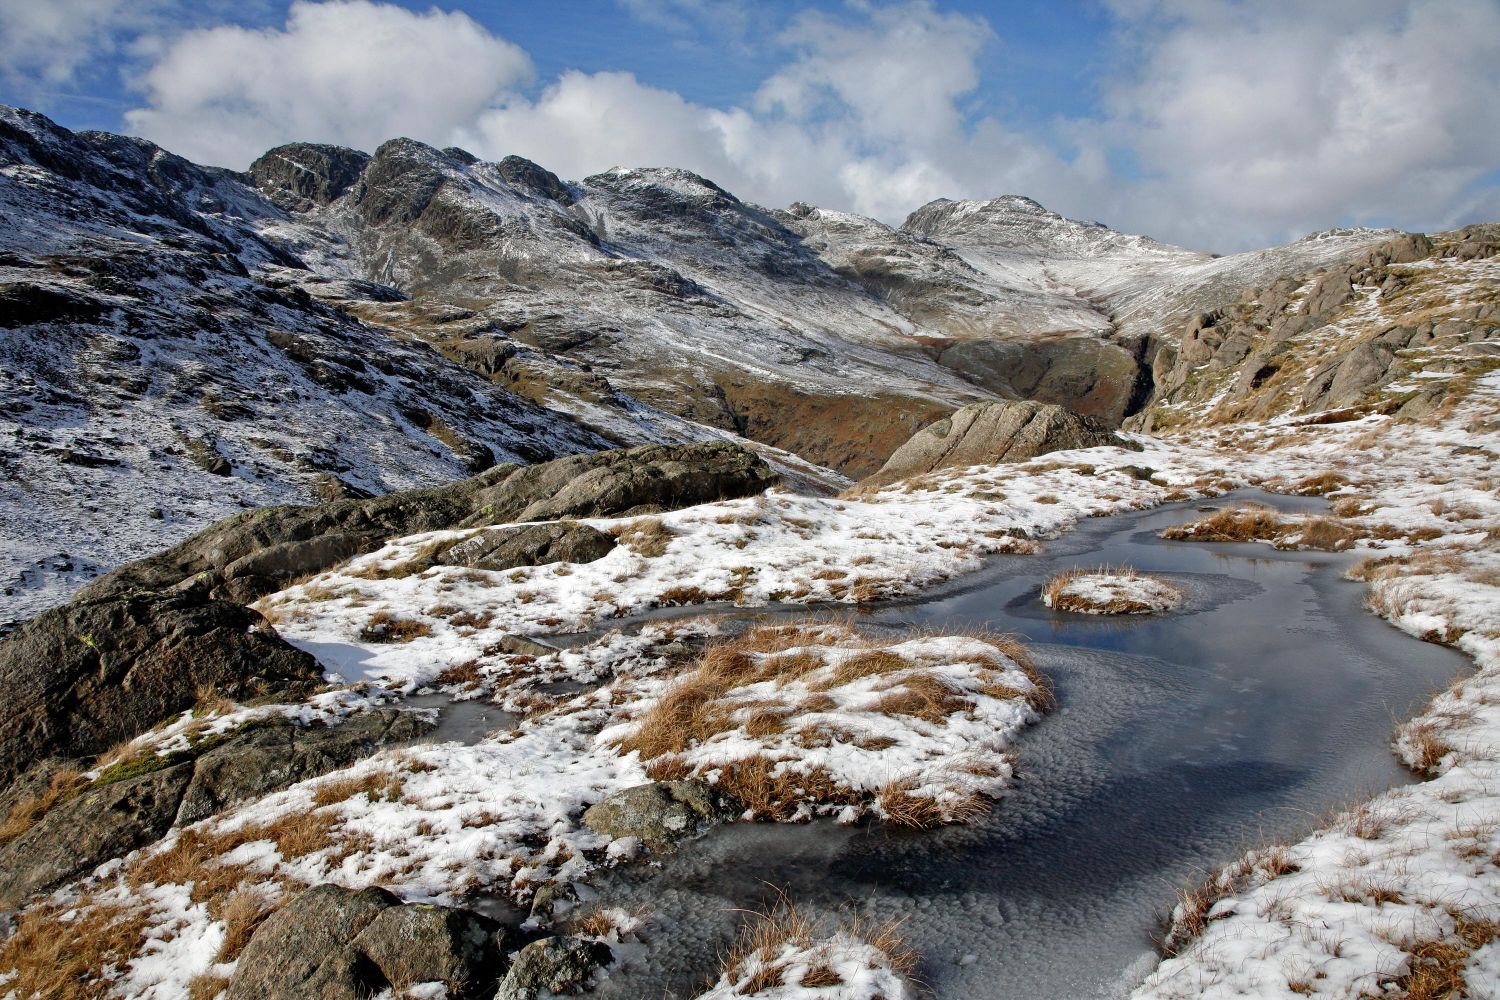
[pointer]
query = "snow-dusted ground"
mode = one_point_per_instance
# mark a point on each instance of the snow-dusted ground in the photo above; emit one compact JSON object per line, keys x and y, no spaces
{"x":1335,"y":914}
{"x":1419,"y":497}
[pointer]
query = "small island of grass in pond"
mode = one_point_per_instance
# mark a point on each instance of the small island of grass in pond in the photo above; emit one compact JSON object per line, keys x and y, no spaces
{"x":1108,"y":590}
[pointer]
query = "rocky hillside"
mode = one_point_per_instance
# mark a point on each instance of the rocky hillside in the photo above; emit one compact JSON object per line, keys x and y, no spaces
{"x":181,"y":342}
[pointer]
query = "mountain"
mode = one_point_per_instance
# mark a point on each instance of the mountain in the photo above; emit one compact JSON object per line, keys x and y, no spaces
{"x":183,"y":342}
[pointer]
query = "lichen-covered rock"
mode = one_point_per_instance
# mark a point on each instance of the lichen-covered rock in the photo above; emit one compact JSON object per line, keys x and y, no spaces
{"x":661,"y":813}
{"x":553,"y":965}
{"x":986,"y":433}
{"x":267,"y":758}
{"x":332,"y":943}
{"x":99,"y":824}
{"x":78,"y":679}
{"x":423,"y":943}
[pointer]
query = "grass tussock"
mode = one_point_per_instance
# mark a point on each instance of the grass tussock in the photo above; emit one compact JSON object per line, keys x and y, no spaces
{"x":28,"y":812}
{"x":1059,"y":594}
{"x":758,"y":961}
{"x":902,"y":804}
{"x":62,"y":951}
{"x":647,"y":537}
{"x":1435,"y":967}
{"x":821,"y":656}
{"x":1259,"y":524}
{"x":383,"y":626}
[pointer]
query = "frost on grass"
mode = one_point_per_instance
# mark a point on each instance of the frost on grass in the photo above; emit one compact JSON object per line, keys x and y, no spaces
{"x":783,"y":954}
{"x":1110,"y":590}
{"x":1399,"y":896}
{"x":799,"y":719}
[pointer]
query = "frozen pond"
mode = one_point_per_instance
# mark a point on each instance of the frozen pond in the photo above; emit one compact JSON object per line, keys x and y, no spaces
{"x":1249,"y":715}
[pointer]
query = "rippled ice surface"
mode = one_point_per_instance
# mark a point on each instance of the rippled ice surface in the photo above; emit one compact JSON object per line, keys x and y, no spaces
{"x":1178,"y":741}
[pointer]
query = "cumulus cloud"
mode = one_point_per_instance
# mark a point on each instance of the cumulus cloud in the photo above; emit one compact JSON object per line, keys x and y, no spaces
{"x":49,"y":42}
{"x":1265,"y":119}
{"x":1244,"y":123}
{"x":350,"y":72}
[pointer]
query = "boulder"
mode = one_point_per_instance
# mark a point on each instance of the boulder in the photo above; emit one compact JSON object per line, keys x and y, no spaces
{"x":80,"y":678}
{"x":661,"y":813}
{"x":255,"y":553}
{"x":99,"y":824}
{"x":530,"y":545}
{"x":332,"y":943}
{"x":553,"y":965}
{"x":1347,"y":379}
{"x":422,"y":943}
{"x":987,"y":433}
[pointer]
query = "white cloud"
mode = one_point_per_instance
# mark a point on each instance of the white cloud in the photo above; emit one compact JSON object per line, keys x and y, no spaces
{"x":1251,"y":123}
{"x":47,"y":42}
{"x":349,"y":71}
{"x":1261,"y":121}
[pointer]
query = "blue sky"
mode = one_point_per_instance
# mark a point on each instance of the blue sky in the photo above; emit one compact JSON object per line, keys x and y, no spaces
{"x":1222,"y":124}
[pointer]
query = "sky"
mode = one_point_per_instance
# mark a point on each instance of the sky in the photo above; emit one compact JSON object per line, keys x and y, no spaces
{"x":1218,"y":124}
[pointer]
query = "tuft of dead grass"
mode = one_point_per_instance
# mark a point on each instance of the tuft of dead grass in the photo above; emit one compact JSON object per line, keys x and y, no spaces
{"x":29,"y":811}
{"x":383,"y":626}
{"x":61,"y":951}
{"x":647,"y":537}
{"x":755,"y":960}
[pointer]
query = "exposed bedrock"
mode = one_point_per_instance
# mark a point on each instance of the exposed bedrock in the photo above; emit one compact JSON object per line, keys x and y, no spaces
{"x":256,"y":553}
{"x":136,"y":801}
{"x":986,"y":433}
{"x":78,"y":679}
{"x":345,"y":944}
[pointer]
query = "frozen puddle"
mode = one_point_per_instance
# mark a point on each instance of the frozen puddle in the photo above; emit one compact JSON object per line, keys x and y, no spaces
{"x":1248,"y":715}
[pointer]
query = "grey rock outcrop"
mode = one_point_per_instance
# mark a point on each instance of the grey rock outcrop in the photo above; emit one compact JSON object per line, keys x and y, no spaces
{"x":303,"y":175}
{"x":984,"y":433}
{"x":332,"y":943}
{"x":530,"y":545}
{"x":80,"y":678}
{"x":111,"y":818}
{"x":662,"y":813}
{"x":552,"y":966}
{"x":97,"y":825}
{"x":244,"y":557}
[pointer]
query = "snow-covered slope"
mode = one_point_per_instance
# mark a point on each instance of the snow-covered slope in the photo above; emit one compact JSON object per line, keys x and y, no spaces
{"x":180,"y":342}
{"x":153,"y":379}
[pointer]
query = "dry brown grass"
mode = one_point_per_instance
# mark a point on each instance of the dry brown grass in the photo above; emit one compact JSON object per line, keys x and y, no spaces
{"x":1435,"y":969}
{"x":377,"y":786}
{"x":1055,"y":591}
{"x":774,"y":792}
{"x":1430,"y":747}
{"x":61,"y":951}
{"x":383,"y":626}
{"x":768,"y":933}
{"x":1249,"y":524}
{"x":900,"y":806}
{"x":647,"y":537}
{"x":1234,"y":524}
{"x":242,"y":911}
{"x":29,"y":811}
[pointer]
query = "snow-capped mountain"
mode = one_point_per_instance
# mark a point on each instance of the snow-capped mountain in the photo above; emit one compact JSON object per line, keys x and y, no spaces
{"x":181,"y":342}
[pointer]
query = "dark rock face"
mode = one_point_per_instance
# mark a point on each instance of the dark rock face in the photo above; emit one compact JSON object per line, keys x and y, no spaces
{"x":303,"y":175}
{"x":661,"y":813}
{"x":99,"y":824}
{"x":344,"y":944}
{"x":82,"y":677}
{"x":247,"y":556}
{"x":112,"y":818}
{"x":1084,"y":374}
{"x":985,"y":433}
{"x":530,"y":545}
{"x":268,"y":758}
{"x":552,"y":966}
